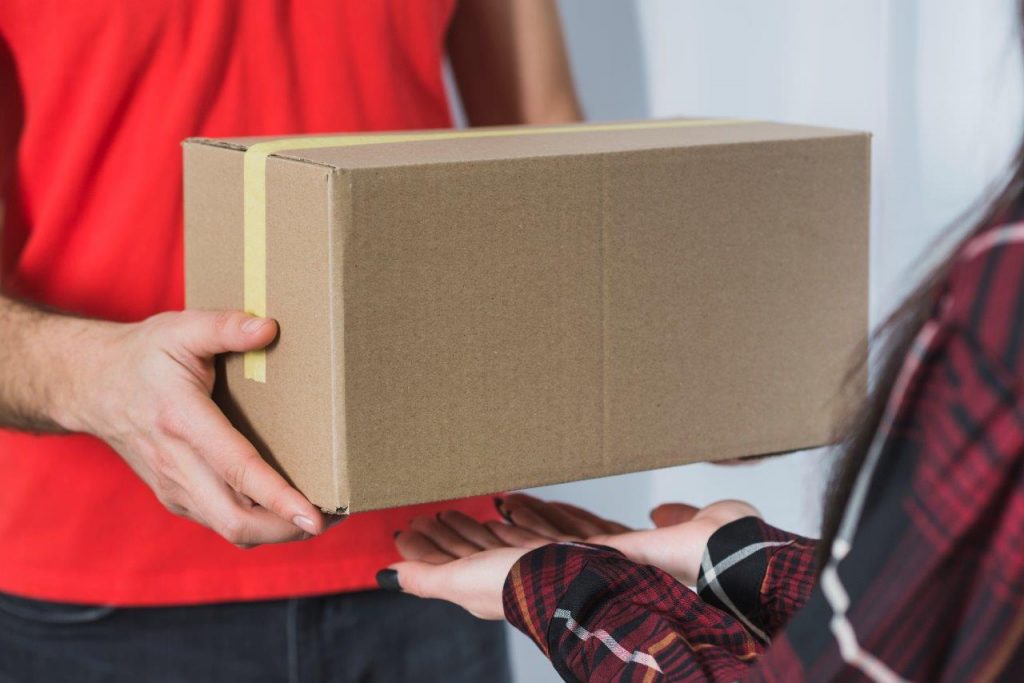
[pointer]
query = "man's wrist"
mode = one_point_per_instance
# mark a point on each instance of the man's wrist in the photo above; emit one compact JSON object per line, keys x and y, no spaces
{"x":43,"y":358}
{"x":80,"y":361}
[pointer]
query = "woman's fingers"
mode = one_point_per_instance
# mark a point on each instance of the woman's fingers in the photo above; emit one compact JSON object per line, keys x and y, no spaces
{"x":443,"y":537}
{"x":474,"y":582}
{"x":568,"y":520}
{"x":669,"y":514}
{"x":728,"y":510}
{"x":526,"y":518}
{"x":470,"y":529}
{"x":414,"y":546}
{"x":533,"y":514}
{"x":517,"y":536}
{"x":593,"y":524}
{"x":542,"y":518}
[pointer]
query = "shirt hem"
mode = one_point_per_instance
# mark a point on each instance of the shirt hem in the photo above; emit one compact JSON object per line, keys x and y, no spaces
{"x":191,"y":587}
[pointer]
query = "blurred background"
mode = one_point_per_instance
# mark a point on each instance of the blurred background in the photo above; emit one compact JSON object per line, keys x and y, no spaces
{"x":937,"y":82}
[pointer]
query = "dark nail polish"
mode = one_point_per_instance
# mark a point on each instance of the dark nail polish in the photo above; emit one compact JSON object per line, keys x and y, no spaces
{"x":387,"y":579}
{"x":499,"y":504}
{"x":396,"y":534}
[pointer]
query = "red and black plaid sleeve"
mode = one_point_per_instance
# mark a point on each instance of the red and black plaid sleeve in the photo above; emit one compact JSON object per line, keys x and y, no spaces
{"x":600,"y":617}
{"x":754,"y":577}
{"x":926,"y":577}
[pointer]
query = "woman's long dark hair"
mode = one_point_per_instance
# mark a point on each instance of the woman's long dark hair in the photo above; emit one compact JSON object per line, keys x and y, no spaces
{"x":891,"y":343}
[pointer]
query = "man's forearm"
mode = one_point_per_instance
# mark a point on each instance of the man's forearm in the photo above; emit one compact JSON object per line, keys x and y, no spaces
{"x":510,"y":63}
{"x":37,"y":363}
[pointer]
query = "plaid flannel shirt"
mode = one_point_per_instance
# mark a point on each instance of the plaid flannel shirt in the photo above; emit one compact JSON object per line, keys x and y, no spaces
{"x":926,"y":576}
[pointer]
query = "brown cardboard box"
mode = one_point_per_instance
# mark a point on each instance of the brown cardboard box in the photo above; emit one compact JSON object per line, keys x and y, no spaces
{"x":521,"y":307}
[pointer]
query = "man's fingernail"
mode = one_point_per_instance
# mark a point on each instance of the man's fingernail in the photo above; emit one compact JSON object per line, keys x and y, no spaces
{"x":254,"y":325}
{"x":499,"y":505}
{"x":387,"y":579}
{"x":304,"y":523}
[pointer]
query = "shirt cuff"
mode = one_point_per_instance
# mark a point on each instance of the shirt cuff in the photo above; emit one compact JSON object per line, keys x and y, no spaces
{"x":735,"y":565}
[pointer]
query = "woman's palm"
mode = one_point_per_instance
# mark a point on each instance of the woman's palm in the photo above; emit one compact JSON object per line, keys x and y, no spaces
{"x":675,"y":544}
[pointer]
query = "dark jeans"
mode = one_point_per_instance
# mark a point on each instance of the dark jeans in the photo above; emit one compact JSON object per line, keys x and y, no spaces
{"x":371,"y":636}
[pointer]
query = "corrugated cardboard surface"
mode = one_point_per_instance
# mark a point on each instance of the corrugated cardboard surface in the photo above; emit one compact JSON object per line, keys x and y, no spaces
{"x":466,"y":316}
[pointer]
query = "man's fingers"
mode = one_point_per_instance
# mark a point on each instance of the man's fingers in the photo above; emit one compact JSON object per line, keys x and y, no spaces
{"x":257,"y":526}
{"x":669,"y":514}
{"x":414,"y":546}
{"x":230,"y":514}
{"x":241,"y":467}
{"x":207,"y":333}
{"x":470,"y":529}
{"x":517,"y":536}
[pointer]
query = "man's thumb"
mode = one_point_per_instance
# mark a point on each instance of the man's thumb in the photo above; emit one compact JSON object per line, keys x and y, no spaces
{"x":207,"y":333}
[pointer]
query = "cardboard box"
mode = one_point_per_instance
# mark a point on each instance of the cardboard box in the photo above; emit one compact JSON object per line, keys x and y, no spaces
{"x":506,"y":308}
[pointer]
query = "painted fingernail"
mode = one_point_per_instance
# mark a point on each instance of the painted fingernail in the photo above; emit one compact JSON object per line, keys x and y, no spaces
{"x":499,"y":504}
{"x":396,"y":534}
{"x":387,"y":579}
{"x":254,"y":325}
{"x":304,"y":523}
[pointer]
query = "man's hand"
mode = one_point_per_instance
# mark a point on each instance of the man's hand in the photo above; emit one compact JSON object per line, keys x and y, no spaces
{"x":144,"y":388}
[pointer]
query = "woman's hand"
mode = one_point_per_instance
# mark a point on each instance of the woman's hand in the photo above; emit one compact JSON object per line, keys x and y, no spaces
{"x":456,"y":558}
{"x":473,"y":582}
{"x":676,"y":544}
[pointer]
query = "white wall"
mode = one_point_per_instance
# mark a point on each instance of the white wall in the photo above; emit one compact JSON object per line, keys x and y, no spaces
{"x":935,"y":81}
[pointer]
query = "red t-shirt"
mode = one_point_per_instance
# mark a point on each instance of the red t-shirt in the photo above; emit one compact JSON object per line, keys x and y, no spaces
{"x":102,"y":93}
